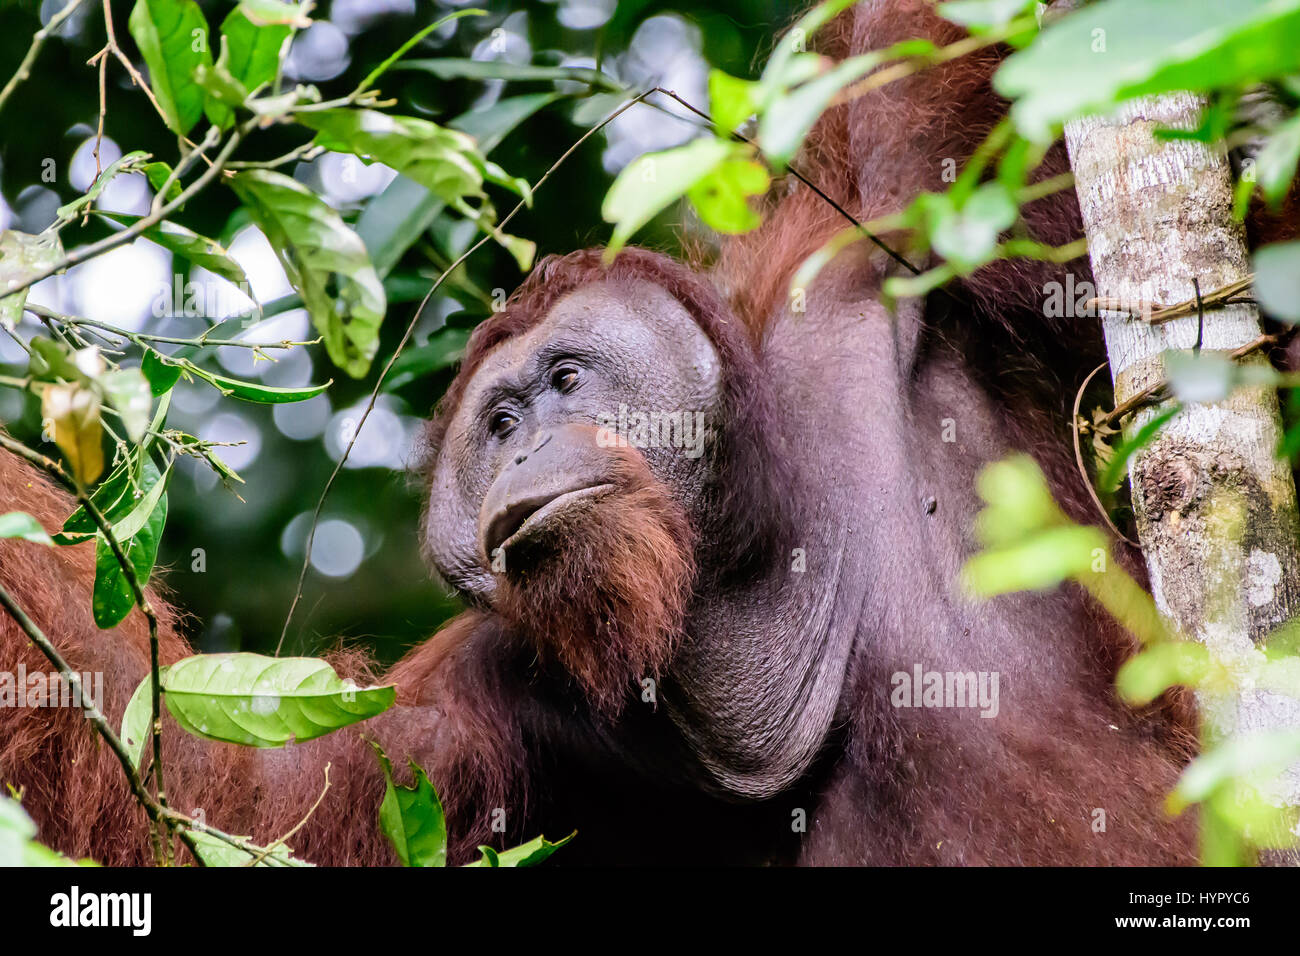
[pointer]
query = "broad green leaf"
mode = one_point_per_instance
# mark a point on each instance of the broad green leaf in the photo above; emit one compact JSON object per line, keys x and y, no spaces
{"x":266,"y":701}
{"x":215,"y":851}
{"x":967,"y":237}
{"x":19,"y":524}
{"x":404,"y":211}
{"x":532,"y":853}
{"x":116,"y":497}
{"x":131,"y":161}
{"x":795,"y":42}
{"x":254,"y":34}
{"x":223,"y":91}
{"x":980,"y":16}
{"x":1248,"y":756}
{"x":21,"y":257}
{"x":1038,"y":563}
{"x":173,"y":39}
{"x":722,"y":197}
{"x":158,"y":174}
{"x":1146,"y":676}
{"x":127,"y":390}
{"x":651,"y":183}
{"x":412,"y":817}
{"x":1276,"y":164}
{"x":161,"y":375}
{"x":1277,"y":281}
{"x":731,"y":100}
{"x":785,"y":122}
{"x":1019,"y":502}
{"x":72,"y":414}
{"x":445,"y":161}
{"x":137,"y":720}
{"x":326,"y":262}
{"x":451,"y":68}
{"x":113,"y":598}
{"x":1109,"y":52}
{"x":442,"y":351}
{"x":195,"y":249}
{"x":18,"y":846}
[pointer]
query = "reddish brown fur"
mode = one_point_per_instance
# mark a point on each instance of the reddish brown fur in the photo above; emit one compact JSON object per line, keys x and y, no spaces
{"x":607,"y":595}
{"x":458,"y":715}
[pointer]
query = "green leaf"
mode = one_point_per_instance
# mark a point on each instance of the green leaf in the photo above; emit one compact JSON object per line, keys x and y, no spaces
{"x":116,"y":497}
{"x":445,"y":161}
{"x":173,"y":39}
{"x":21,"y":257}
{"x":1277,"y":281}
{"x":412,"y":817}
{"x":786,"y":121}
{"x":1250,"y":755}
{"x":1149,"y":674}
{"x":451,"y":68}
{"x":195,"y":249}
{"x":19,"y":524}
{"x":161,"y":375}
{"x":722,"y":197}
{"x":255,"y":46}
{"x":1113,"y":475}
{"x":1109,"y":52}
{"x":158,"y":174}
{"x":1276,"y":164}
{"x":250,"y":391}
{"x":223,"y":91}
{"x":732,"y":100}
{"x":1037,"y":564}
{"x":320,"y":254}
{"x":981,"y":16}
{"x":18,"y":846}
{"x":532,"y":853}
{"x":113,"y":598}
{"x":266,"y":701}
{"x":127,"y":390}
{"x":967,"y":237}
{"x":215,"y":851}
{"x":137,"y":719}
{"x":651,"y":183}
{"x":441,"y":351}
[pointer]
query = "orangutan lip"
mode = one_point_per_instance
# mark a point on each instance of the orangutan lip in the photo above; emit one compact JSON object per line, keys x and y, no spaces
{"x":517,"y":522}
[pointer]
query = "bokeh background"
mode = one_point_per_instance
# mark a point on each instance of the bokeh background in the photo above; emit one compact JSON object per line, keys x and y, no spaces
{"x":367,"y":582}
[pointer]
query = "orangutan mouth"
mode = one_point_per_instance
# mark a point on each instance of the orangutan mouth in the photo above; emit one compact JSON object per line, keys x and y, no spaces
{"x":521,"y":520}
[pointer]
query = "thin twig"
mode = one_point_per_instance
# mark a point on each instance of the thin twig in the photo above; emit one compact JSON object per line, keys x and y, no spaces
{"x":24,"y":70}
{"x":1078,"y":458}
{"x":137,"y":228}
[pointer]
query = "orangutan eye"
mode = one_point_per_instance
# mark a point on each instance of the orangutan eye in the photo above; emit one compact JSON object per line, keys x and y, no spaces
{"x":502,"y":424}
{"x":564,"y":378}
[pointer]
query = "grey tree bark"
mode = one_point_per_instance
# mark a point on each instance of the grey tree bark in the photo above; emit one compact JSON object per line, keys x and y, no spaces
{"x":1215,"y":506}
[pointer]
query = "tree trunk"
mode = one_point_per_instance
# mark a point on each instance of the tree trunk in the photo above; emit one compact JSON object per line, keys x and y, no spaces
{"x":1215,"y":506}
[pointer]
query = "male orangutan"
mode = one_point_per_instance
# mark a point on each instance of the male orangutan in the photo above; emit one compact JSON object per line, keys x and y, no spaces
{"x":689,"y":656}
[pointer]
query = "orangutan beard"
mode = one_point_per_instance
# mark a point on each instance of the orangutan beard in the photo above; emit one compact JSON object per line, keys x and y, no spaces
{"x":604,"y":590}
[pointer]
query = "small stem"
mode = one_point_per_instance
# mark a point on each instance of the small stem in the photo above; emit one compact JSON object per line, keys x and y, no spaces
{"x":24,"y":70}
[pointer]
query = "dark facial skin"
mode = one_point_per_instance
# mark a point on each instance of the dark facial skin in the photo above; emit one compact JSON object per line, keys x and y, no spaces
{"x":522,"y":448}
